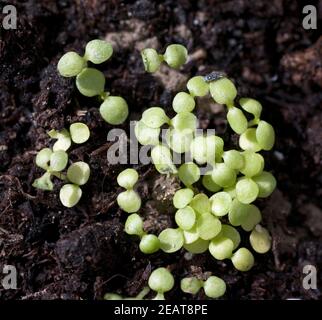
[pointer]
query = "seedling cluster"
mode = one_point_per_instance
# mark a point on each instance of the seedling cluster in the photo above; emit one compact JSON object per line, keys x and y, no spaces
{"x":91,"y":82}
{"x":54,"y":161}
{"x":211,"y":209}
{"x":209,"y":213}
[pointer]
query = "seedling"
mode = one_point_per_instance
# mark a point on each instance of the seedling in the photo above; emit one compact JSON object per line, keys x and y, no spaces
{"x":134,"y":226}
{"x":129,"y":200}
{"x":55,"y":160}
{"x":90,"y":82}
{"x":175,"y":56}
{"x":161,"y":281}
{"x":214,"y":287}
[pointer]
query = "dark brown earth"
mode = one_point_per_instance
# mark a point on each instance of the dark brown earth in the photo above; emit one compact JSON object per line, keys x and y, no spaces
{"x":81,"y":253}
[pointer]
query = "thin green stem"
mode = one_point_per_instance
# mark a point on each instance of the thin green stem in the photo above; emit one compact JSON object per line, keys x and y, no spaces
{"x":253,"y":122}
{"x":143,"y":293}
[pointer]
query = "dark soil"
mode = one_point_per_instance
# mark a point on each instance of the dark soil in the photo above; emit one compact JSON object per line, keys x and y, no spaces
{"x":81,"y":253}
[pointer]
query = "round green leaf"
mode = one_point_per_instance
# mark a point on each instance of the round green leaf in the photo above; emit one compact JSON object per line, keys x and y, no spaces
{"x":237,"y":120}
{"x":70,"y":195}
{"x":78,"y":173}
{"x":223,"y":91}
{"x":265,"y":135}
{"x":98,"y":51}
{"x":183,"y":102}
{"x":114,"y":110}
{"x":266,"y":183}
{"x":246,"y":190}
{"x":90,"y":82}
{"x":171,"y":240}
{"x":71,"y":64}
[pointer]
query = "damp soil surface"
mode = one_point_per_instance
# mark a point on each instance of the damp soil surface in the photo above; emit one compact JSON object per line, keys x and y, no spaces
{"x":82,"y":252}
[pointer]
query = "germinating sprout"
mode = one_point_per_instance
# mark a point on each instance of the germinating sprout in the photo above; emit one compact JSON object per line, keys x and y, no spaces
{"x":265,"y":135}
{"x":161,"y":280}
{"x":44,"y":182}
{"x":149,"y":244}
{"x":175,"y":56}
{"x":43,"y":158}
{"x":91,"y":82}
{"x":214,"y":287}
{"x":129,"y":200}
{"x":134,"y":226}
